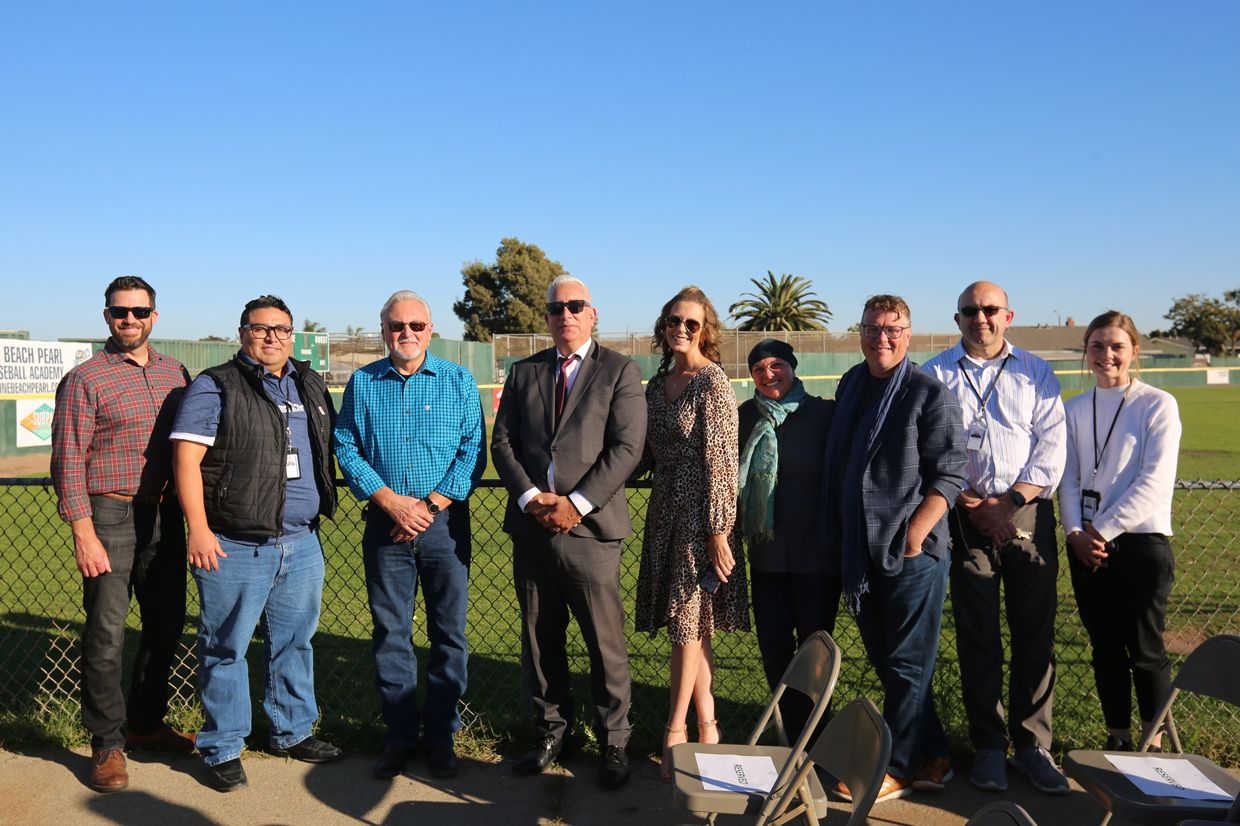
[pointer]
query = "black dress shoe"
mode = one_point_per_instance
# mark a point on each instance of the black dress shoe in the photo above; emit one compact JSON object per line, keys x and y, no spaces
{"x":537,"y":759}
{"x":392,"y":761}
{"x":310,"y":750}
{"x":614,"y":772}
{"x":441,"y":761}
{"x":227,"y":776}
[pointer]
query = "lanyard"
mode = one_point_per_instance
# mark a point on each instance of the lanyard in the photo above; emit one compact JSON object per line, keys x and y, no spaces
{"x":993,"y":383}
{"x":1098,"y":452}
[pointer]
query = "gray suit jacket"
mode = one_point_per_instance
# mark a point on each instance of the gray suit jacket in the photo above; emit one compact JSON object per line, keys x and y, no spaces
{"x":596,"y":447}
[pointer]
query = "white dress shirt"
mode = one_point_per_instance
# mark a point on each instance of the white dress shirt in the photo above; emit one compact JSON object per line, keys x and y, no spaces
{"x":582,"y":504}
{"x":1025,"y":439}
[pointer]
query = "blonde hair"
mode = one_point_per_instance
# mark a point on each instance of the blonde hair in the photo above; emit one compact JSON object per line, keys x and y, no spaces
{"x":1113,"y":318}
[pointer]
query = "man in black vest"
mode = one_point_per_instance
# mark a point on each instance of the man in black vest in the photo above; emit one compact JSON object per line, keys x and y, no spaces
{"x":254,"y":466}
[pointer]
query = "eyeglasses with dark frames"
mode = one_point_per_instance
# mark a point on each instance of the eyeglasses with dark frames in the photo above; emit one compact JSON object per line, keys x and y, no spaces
{"x":691,"y":325}
{"x":122,"y":313}
{"x":990,"y":310}
{"x":399,"y":326}
{"x":575,"y":306}
{"x":873,"y":330}
{"x":282,"y":332}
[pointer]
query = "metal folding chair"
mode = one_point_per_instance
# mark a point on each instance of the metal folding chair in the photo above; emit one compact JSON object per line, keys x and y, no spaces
{"x":1212,"y":670}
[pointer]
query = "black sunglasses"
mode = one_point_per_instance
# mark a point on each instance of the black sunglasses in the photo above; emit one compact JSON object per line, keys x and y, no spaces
{"x":122,"y":313}
{"x":575,"y":306}
{"x":691,"y":325}
{"x":399,"y":326}
{"x":989,"y":310}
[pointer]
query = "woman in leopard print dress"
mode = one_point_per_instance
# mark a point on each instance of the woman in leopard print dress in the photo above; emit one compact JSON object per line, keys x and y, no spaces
{"x":691,"y":446}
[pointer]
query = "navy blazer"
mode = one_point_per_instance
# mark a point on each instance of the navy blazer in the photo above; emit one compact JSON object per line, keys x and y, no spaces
{"x":921,"y":447}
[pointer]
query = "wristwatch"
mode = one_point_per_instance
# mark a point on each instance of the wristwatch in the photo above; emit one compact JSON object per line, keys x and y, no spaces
{"x":1016,"y":495}
{"x":431,"y":506}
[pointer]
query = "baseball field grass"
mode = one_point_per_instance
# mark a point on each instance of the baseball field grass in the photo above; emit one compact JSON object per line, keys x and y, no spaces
{"x":40,"y":620}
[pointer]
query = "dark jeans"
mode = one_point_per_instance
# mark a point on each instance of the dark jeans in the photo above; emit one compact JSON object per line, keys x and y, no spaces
{"x":557,"y":575}
{"x":787,"y":610}
{"x":899,"y":621}
{"x":438,"y":560}
{"x":146,"y":549}
{"x":1028,"y":570}
{"x":1123,"y":606}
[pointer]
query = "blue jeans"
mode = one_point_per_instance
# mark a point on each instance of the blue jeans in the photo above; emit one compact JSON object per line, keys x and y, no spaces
{"x":439,"y":559}
{"x":899,"y":621}
{"x":281,"y":587}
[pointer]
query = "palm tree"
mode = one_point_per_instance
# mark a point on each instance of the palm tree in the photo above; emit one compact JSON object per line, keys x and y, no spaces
{"x":313,"y":327}
{"x":781,"y":305}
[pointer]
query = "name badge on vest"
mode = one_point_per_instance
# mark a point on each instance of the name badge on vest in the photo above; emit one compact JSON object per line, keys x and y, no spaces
{"x":292,"y":464}
{"x":1091,"y":502}
{"x":977,"y":435}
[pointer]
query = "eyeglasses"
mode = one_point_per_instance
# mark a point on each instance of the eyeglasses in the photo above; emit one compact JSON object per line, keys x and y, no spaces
{"x":989,"y":310}
{"x":122,"y":313}
{"x":282,"y":332}
{"x":575,"y":306}
{"x":399,"y":326}
{"x":872,"y":331}
{"x":691,"y":325}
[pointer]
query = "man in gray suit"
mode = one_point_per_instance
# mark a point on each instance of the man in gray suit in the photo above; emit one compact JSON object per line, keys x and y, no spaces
{"x":569,"y":430}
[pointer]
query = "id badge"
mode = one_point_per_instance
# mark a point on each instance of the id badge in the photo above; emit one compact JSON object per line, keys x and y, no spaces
{"x":977,"y":435}
{"x":292,"y":464}
{"x":1091,"y":502}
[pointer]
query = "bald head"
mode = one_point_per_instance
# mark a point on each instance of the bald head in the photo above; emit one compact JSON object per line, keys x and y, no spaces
{"x":982,"y":315}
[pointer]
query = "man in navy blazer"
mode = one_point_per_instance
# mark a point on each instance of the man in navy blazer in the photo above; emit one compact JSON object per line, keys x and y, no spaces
{"x":895,"y":463}
{"x":570,"y":429}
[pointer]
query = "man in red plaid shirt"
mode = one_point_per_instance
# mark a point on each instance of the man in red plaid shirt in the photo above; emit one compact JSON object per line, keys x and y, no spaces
{"x":112,"y":468}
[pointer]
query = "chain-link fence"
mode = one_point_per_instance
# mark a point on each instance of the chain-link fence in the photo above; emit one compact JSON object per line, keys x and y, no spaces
{"x":41,"y":619}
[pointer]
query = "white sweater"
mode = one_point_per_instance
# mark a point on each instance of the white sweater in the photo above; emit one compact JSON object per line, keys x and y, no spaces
{"x":1137,"y":475}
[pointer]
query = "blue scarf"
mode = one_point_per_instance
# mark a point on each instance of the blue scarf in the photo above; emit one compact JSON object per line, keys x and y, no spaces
{"x":759,"y":469}
{"x":848,"y":542}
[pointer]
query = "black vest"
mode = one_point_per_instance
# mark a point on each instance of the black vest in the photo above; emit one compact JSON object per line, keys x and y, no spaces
{"x":243,"y":473}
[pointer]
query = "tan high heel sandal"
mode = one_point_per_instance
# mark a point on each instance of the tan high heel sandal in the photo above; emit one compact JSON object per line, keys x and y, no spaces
{"x":707,"y":725}
{"x":665,"y":770}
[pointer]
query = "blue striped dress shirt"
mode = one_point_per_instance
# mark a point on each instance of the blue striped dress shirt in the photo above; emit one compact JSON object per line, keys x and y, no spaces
{"x":1026,"y":439}
{"x":414,"y":434}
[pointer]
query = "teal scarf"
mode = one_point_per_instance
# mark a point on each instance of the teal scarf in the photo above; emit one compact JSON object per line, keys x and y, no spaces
{"x":759,"y":470}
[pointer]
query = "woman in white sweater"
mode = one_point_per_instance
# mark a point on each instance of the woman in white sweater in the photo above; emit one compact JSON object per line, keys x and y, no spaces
{"x":1115,"y":504}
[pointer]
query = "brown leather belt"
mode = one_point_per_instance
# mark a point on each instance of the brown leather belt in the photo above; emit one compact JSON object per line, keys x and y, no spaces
{"x":143,"y":498}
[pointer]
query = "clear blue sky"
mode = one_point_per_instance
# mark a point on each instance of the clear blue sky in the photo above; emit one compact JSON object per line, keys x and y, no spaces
{"x":1083,"y":155}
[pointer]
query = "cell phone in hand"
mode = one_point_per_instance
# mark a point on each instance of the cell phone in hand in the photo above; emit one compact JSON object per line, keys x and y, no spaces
{"x":710,"y":583}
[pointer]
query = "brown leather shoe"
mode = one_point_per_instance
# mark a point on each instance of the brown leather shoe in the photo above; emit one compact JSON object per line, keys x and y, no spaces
{"x":893,"y":788}
{"x":107,"y":771}
{"x":164,"y":738}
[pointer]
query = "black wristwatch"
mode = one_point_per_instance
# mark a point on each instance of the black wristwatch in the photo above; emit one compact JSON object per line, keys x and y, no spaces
{"x":1016,"y":495}
{"x":431,"y":506}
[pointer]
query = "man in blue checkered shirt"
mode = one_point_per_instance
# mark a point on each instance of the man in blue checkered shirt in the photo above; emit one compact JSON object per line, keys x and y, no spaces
{"x":409,"y":439}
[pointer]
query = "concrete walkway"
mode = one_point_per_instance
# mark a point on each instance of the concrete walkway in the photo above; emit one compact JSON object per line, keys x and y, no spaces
{"x":50,"y":787}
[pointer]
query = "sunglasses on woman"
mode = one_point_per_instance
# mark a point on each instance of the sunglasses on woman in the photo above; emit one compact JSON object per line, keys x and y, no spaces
{"x":691,"y":325}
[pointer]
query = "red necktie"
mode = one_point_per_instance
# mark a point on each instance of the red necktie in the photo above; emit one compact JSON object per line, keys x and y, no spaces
{"x":561,"y":387}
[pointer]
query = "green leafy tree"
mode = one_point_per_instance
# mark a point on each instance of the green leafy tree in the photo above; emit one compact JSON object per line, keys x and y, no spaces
{"x":508,"y":296}
{"x":781,"y":305}
{"x":309,"y":326}
{"x":1211,"y":324}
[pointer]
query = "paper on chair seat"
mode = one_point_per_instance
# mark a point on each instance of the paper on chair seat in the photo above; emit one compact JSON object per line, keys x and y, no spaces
{"x":1160,"y":777}
{"x":737,"y":773}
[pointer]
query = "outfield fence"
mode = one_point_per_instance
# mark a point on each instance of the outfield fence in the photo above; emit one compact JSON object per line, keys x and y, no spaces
{"x":41,"y":620}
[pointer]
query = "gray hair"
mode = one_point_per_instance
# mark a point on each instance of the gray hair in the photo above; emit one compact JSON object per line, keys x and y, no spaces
{"x":561,"y":280}
{"x":404,"y":295}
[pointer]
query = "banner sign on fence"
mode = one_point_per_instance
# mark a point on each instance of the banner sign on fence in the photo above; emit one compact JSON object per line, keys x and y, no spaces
{"x":1218,"y":376}
{"x":34,"y":368}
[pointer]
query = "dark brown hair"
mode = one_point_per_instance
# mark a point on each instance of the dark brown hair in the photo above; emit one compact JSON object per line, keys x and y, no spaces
{"x":264,"y":302}
{"x":708,"y":344}
{"x":128,"y":282}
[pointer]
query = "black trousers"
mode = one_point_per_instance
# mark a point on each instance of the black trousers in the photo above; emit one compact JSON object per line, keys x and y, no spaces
{"x":787,"y":610}
{"x":558,"y":575}
{"x":1123,"y":606}
{"x":146,"y":549}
